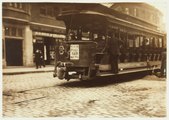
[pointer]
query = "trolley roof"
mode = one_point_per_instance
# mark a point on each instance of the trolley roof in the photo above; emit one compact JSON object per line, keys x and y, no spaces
{"x":97,"y":16}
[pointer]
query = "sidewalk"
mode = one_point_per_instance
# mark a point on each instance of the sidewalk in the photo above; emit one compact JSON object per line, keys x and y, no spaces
{"x":23,"y":70}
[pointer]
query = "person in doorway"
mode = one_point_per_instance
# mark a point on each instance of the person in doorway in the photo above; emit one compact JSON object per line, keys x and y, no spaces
{"x":42,"y":62}
{"x":163,"y":63}
{"x":37,"y":58}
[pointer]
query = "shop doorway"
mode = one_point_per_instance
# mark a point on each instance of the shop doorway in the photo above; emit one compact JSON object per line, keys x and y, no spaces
{"x":46,"y":45}
{"x":14,"y":54}
{"x":49,"y":45}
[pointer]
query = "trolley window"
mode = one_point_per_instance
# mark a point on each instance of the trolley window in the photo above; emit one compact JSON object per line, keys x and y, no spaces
{"x":137,"y":42}
{"x":156,"y":43}
{"x":130,"y":41}
{"x":160,"y":42}
{"x":151,"y":42}
{"x":141,"y":40}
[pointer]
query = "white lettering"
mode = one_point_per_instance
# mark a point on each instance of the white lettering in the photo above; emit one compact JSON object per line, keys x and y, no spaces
{"x":49,"y":35}
{"x":74,"y":52}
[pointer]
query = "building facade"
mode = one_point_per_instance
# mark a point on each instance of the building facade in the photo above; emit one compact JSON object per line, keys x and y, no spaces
{"x":27,"y":27}
{"x":142,"y":11}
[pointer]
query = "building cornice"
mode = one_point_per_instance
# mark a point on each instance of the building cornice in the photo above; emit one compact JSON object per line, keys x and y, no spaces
{"x":17,"y":19}
{"x":33,"y":23}
{"x":51,"y":26}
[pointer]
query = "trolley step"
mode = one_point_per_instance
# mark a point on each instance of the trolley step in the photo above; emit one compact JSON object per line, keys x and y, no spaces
{"x":125,"y":72}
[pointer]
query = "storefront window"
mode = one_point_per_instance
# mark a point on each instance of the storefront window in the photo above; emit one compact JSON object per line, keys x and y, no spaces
{"x":7,"y":31}
{"x":52,"y":52}
{"x":20,"y":32}
{"x":13,"y":31}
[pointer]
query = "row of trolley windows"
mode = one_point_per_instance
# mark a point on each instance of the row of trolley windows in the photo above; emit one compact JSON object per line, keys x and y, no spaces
{"x":130,"y":41}
{"x":139,"y":57}
{"x":140,"y":41}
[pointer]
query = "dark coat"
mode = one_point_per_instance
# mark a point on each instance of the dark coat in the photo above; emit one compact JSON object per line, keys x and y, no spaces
{"x":37,"y":56}
{"x":113,"y":46}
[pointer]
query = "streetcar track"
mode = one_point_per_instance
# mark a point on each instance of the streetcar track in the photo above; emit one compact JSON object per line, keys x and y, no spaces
{"x":9,"y":93}
{"x":29,"y":100}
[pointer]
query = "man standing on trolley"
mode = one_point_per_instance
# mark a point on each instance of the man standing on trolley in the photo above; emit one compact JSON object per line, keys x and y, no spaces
{"x":113,"y":51}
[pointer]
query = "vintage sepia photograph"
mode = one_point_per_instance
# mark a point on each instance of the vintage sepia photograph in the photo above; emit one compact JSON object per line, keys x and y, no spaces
{"x":84,"y":60}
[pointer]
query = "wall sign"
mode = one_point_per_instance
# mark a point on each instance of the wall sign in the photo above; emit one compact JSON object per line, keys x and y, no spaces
{"x":48,"y":34}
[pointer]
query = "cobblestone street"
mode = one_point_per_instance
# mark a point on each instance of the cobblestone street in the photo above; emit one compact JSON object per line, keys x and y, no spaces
{"x":41,"y":95}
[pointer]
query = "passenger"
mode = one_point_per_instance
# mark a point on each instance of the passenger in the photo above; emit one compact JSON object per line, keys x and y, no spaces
{"x":37,"y":58}
{"x":101,"y":43}
{"x":72,"y":36}
{"x":145,"y":43}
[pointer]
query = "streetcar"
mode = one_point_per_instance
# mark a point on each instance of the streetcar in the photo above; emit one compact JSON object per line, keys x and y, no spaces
{"x":102,"y":42}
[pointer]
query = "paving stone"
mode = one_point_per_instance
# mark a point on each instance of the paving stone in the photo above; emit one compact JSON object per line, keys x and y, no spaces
{"x":41,"y":95}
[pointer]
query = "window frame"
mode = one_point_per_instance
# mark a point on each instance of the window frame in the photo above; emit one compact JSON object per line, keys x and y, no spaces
{"x":17,"y":7}
{"x":49,"y":11}
{"x":14,"y":34}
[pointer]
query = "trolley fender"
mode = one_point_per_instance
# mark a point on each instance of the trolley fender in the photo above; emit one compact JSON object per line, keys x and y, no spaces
{"x":61,"y":72}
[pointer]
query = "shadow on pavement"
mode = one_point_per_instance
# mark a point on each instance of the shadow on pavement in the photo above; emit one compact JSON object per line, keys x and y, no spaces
{"x":103,"y":81}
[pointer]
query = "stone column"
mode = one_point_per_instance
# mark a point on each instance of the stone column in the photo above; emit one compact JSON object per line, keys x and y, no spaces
{"x":28,"y":47}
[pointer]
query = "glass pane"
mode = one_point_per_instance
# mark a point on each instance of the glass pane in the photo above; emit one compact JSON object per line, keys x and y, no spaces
{"x":42,"y":11}
{"x":130,"y":43}
{"x":135,"y":12}
{"x":137,"y":42}
{"x":160,"y":42}
{"x":141,"y":41}
{"x":156,"y":43}
{"x":85,"y":35}
{"x":7,"y":31}
{"x":20,"y":33}
{"x":13,"y":31}
{"x":50,"y":12}
{"x":15,"y":5}
{"x":20,"y":6}
{"x":151,"y":42}
{"x":127,"y":10}
{"x":11,"y":4}
{"x":147,"y":41}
